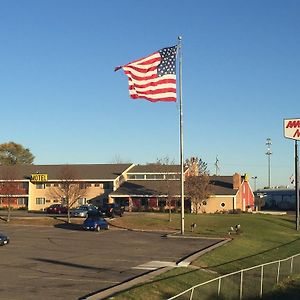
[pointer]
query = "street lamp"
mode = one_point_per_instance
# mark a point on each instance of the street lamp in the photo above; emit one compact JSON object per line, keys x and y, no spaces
{"x":269,"y":153}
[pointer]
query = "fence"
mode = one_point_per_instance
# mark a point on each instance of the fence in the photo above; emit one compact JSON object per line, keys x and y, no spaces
{"x":247,"y":283}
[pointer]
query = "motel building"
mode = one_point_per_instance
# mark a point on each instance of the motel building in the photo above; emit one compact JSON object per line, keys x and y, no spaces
{"x":148,"y":187}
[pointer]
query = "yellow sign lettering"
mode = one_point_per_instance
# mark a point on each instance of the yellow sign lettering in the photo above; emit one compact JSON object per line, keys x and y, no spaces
{"x":39,"y":177}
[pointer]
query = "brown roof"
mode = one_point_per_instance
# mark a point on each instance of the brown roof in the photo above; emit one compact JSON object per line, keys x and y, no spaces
{"x":219,"y":185}
{"x":82,"y":171}
{"x":148,"y":188}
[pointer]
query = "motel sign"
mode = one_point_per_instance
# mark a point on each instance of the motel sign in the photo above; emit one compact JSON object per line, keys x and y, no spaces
{"x":292,"y":129}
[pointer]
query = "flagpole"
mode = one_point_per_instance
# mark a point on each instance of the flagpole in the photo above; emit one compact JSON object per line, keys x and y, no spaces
{"x":181,"y":134}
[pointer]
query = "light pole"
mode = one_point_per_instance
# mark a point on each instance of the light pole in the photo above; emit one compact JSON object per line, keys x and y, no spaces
{"x":254,"y":178}
{"x":269,"y":153}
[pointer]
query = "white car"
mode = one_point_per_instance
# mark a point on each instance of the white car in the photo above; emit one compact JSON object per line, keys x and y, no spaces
{"x":83,"y":210}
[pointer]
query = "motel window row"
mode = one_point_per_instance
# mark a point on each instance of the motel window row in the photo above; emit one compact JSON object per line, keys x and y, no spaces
{"x":105,"y":185}
{"x":154,"y":176}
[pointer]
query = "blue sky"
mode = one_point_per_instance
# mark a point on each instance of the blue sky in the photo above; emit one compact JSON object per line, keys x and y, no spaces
{"x":241,"y":67}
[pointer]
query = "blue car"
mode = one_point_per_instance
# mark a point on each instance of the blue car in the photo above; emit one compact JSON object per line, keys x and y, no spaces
{"x":95,"y":223}
{"x":3,"y":239}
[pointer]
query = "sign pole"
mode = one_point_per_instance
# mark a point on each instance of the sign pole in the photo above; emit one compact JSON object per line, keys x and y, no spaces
{"x":181,"y":135}
{"x":297,"y":183}
{"x":291,"y":129}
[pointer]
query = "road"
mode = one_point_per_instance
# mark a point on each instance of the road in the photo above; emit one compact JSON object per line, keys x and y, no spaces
{"x":44,"y":262}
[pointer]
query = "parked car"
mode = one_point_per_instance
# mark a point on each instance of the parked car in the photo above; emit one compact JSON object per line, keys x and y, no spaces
{"x":112,"y":209}
{"x":3,"y":239}
{"x":56,"y":209}
{"x":95,"y":223}
{"x":83,"y":210}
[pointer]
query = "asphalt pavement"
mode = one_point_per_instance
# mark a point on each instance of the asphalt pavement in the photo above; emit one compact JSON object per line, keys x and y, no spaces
{"x":44,"y":262}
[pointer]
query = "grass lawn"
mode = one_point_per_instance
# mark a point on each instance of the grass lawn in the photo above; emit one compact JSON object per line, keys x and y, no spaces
{"x":263,"y":238}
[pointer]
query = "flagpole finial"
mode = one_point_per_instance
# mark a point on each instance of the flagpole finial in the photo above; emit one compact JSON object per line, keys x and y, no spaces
{"x":179,"y":37}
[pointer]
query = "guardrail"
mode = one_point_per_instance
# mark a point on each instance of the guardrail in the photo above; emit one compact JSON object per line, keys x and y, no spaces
{"x":246,"y":283}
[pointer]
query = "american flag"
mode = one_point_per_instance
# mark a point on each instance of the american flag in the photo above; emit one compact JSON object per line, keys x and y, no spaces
{"x":153,"y":77}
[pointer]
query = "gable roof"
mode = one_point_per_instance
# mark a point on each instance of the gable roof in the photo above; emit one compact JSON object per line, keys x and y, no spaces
{"x":221,"y":185}
{"x":82,"y":171}
{"x":143,"y":188}
{"x":218,"y":185}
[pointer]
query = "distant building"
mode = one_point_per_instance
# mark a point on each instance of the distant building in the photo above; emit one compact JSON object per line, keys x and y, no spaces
{"x":277,"y":198}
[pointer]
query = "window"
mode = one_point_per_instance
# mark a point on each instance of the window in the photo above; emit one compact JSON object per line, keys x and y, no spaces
{"x":48,"y":184}
{"x":222,"y":204}
{"x":40,"y":186}
{"x":139,"y":176}
{"x":25,"y":185}
{"x":88,"y":185}
{"x":40,"y":201}
{"x":150,"y":176}
{"x":107,"y":185}
{"x":55,"y":184}
{"x":82,"y":201}
{"x":22,"y":201}
{"x":100,"y":185}
{"x":144,"y":202}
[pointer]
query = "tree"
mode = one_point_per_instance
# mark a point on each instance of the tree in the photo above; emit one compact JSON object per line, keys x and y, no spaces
{"x":197,"y":181}
{"x":167,"y":182}
{"x":8,"y":188}
{"x":69,"y":189}
{"x":15,"y":154}
{"x":196,"y":166}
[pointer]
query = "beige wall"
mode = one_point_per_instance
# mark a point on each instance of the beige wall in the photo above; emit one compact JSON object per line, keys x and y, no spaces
{"x":214,"y":204}
{"x":47,"y":195}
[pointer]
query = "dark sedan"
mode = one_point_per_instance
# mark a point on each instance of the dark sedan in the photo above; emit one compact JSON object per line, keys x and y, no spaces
{"x":3,"y":239}
{"x":56,"y":209}
{"x":112,"y":209}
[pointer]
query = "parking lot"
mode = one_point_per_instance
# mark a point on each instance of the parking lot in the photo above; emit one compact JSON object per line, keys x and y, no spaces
{"x":44,"y":262}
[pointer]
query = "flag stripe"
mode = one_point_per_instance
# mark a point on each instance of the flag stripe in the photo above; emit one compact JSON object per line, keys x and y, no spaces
{"x":160,"y":90}
{"x":139,"y":76}
{"x":146,"y":69}
{"x":145,"y":60}
{"x":154,"y":84}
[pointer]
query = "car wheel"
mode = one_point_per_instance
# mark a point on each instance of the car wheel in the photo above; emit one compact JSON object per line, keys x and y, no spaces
{"x":98,"y":228}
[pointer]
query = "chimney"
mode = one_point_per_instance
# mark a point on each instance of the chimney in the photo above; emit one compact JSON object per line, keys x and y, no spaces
{"x":236,"y":178}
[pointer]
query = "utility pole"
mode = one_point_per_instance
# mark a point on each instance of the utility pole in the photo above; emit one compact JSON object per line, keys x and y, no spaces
{"x":269,"y":153}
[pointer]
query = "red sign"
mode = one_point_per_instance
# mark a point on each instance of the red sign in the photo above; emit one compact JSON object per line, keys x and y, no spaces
{"x":292,"y":128}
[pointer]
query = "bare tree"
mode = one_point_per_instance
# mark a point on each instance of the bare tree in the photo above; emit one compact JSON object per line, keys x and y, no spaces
{"x":167,"y":184}
{"x":197,"y":181}
{"x":69,"y":189}
{"x":8,"y":188}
